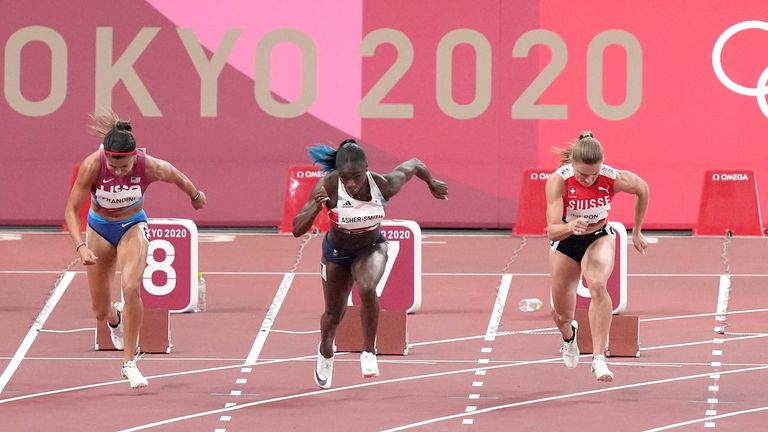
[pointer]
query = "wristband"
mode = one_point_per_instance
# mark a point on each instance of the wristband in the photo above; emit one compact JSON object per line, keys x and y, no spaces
{"x":197,"y":196}
{"x":77,"y":249}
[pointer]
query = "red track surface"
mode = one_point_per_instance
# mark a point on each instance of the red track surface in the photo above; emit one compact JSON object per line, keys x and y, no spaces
{"x":63,"y":384}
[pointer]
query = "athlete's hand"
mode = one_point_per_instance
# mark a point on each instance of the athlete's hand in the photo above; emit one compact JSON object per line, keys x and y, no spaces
{"x":639,"y":242}
{"x":200,"y":202}
{"x":321,"y":197}
{"x":439,"y":189}
{"x":87,"y":256}
{"x":578,"y":226}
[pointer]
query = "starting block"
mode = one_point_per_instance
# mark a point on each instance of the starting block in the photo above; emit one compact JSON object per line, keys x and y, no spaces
{"x":729,"y":204}
{"x":623,"y":339}
{"x":169,"y":284}
{"x":392,"y":336}
{"x":617,"y":282}
{"x":399,"y":292}
{"x":152,"y":338}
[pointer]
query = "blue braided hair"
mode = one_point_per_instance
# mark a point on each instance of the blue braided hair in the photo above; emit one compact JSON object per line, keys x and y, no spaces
{"x":325,"y":156}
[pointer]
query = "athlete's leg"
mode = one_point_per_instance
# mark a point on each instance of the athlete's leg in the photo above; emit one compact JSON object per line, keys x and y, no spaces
{"x":132,"y":258}
{"x":564,"y":279}
{"x":597,"y":266}
{"x":367,"y":270}
{"x":337,"y":284}
{"x":100,"y":275}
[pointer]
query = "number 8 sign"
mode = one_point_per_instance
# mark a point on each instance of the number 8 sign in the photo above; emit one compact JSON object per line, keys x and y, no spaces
{"x":170,"y":279}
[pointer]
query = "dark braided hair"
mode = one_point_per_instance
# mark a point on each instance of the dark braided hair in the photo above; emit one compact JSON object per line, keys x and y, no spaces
{"x":117,"y":134}
{"x":120,"y":138}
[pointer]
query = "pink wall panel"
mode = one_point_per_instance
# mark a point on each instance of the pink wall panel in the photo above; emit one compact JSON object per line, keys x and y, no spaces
{"x":687,"y":121}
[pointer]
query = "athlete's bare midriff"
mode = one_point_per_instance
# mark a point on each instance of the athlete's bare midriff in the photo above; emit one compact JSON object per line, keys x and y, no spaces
{"x":117,"y":215}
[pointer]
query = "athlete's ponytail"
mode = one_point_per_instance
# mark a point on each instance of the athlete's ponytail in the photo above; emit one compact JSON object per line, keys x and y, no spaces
{"x":117,"y":134}
{"x":323,"y":156}
{"x":586,"y":150}
{"x":327,"y":158}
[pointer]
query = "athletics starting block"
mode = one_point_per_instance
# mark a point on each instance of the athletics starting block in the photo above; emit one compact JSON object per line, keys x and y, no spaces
{"x":392,"y":336}
{"x":169,"y":283}
{"x":729,"y":204}
{"x":617,"y":282}
{"x":623,"y":339}
{"x":154,"y":337}
{"x":399,"y":292}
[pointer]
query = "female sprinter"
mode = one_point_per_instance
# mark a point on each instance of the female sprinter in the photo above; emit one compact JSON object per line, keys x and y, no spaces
{"x":116,"y":238}
{"x":579,"y":195}
{"x":354,"y":249}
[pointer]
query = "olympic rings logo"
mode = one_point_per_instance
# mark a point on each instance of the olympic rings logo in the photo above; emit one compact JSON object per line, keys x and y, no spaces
{"x":761,"y":89}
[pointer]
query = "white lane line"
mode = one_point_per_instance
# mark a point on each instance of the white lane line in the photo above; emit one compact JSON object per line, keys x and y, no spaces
{"x":269,"y":319}
{"x":723,"y":295}
{"x":266,"y":326}
{"x":498,"y":307}
{"x":58,"y":291}
{"x":721,"y":319}
{"x":168,"y":375}
{"x":434,"y":375}
{"x":703,"y":420}
{"x":494,"y":323}
{"x":572,"y":395}
{"x":265,"y":362}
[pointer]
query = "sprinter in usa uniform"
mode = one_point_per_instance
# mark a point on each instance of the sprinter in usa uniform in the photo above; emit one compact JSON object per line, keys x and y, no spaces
{"x":116,"y":176}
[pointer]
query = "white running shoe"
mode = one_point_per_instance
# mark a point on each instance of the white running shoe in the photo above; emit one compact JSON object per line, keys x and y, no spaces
{"x":132,"y":374}
{"x":600,"y":369}
{"x":369,"y":365}
{"x":117,"y":332}
{"x":323,"y":370}
{"x":570,"y":349}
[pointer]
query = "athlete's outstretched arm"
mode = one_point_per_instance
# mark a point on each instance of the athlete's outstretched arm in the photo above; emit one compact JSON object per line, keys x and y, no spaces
{"x":86,"y":175}
{"x":158,"y":169}
{"x":630,"y":182}
{"x":395,"y":180}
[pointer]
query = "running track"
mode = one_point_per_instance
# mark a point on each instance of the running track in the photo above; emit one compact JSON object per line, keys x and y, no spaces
{"x":455,"y":378}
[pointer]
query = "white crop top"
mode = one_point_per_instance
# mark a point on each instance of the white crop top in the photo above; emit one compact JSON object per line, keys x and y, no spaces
{"x":358,"y":216}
